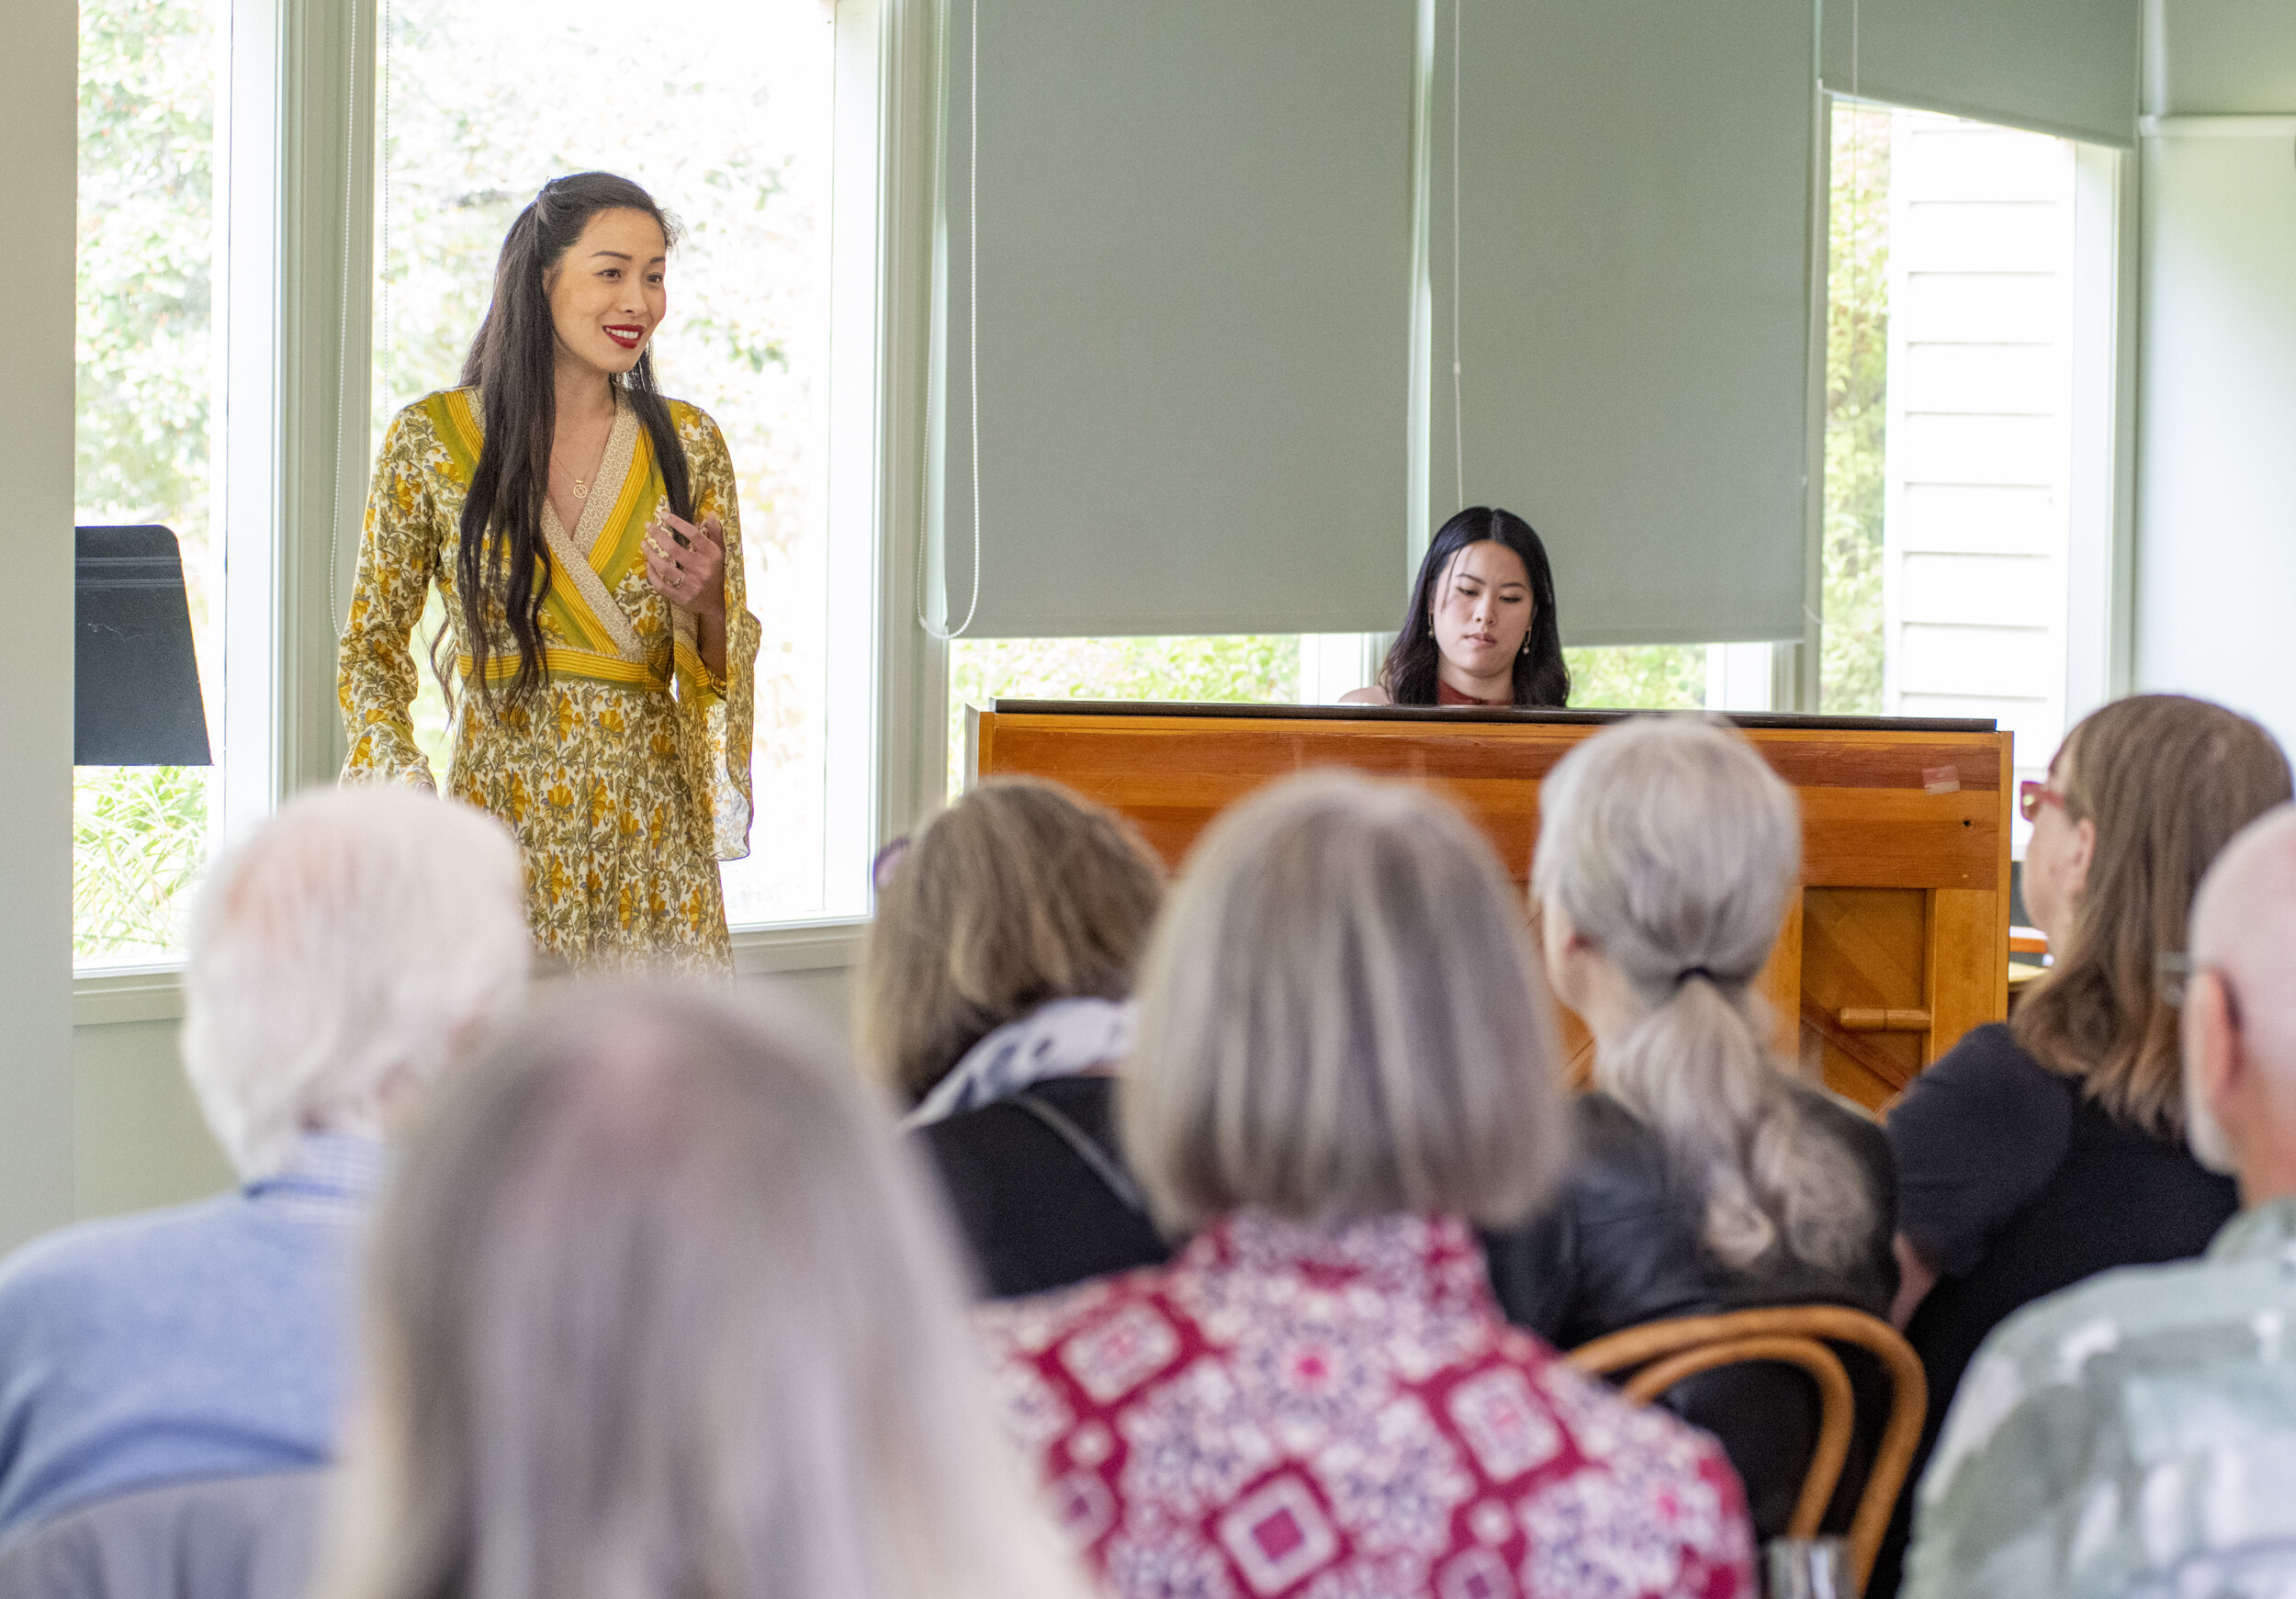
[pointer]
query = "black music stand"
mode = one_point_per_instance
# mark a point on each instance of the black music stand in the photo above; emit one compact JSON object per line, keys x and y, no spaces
{"x":135,"y":697}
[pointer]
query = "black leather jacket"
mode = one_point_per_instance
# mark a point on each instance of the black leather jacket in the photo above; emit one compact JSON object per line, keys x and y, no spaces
{"x":1620,"y":1245}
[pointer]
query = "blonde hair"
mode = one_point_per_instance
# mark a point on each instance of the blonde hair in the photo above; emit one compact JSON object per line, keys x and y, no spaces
{"x":2167,"y":781}
{"x":1672,"y":847}
{"x":1018,"y":893}
{"x":658,"y":1307}
{"x":344,"y":945}
{"x":1341,"y":1019}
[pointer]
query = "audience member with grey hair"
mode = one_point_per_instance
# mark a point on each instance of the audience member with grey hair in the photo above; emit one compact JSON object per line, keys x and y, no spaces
{"x":659,"y":1308}
{"x":1344,"y":1059}
{"x":1708,"y":1179}
{"x":2135,"y":1433}
{"x":336,"y":959}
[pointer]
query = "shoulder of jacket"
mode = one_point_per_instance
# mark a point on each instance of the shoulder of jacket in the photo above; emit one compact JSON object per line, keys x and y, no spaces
{"x":1602,"y":1118}
{"x":1620,"y":1159}
{"x":1990,"y":1063}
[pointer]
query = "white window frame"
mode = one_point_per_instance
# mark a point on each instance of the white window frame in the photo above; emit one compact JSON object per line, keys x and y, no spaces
{"x":292,"y":208}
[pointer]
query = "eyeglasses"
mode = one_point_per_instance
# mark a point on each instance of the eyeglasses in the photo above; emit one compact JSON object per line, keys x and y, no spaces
{"x":2032,"y":794}
{"x":2175,"y":970}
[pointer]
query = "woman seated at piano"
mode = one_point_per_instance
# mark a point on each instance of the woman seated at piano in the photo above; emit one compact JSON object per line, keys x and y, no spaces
{"x":1481,"y":629}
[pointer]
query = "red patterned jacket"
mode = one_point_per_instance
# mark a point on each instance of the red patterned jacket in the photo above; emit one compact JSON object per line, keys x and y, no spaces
{"x":1283,"y":1412}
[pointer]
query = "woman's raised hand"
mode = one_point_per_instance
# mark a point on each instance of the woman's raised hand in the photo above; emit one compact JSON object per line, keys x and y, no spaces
{"x":686,"y":562}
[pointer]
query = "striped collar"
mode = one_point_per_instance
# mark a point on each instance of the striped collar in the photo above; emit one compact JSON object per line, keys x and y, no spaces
{"x":332,"y":1174}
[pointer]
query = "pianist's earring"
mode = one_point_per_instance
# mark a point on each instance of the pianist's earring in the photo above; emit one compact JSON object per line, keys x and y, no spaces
{"x":1526,"y":644}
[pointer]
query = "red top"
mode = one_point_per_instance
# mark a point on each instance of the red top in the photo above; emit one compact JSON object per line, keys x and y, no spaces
{"x":1283,"y":1412}
{"x":1447,"y":695}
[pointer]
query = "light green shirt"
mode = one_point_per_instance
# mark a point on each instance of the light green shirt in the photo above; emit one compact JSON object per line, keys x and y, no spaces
{"x":2134,"y":1434}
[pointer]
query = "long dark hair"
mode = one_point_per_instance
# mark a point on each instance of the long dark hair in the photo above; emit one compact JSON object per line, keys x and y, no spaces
{"x":502,"y":565}
{"x":1540,"y":676}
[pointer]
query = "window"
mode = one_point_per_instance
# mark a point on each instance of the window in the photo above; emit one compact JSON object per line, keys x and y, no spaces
{"x":1312,"y":668}
{"x":150,"y":81}
{"x":1651,"y":677}
{"x":1953,"y":422}
{"x":723,"y":110}
{"x":1857,"y":366}
{"x":1268,"y":668}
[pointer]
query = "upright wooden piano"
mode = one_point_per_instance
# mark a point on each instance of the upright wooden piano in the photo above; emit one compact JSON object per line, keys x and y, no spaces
{"x":1897,"y":946}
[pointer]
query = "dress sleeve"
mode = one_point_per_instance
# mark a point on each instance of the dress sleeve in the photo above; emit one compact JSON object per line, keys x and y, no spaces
{"x":376,"y":676}
{"x":716,"y":715}
{"x":1975,"y":1138}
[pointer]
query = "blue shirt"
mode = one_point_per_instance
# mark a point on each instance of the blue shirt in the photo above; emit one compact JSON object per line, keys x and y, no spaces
{"x":211,"y":1340}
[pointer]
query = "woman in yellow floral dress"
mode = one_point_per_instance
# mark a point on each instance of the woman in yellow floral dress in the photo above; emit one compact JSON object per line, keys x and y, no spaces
{"x":583,"y":534}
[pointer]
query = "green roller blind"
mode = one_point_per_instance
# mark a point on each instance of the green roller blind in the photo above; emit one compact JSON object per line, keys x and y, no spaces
{"x":1636,"y":179}
{"x":1194,"y":316}
{"x":2066,"y":67}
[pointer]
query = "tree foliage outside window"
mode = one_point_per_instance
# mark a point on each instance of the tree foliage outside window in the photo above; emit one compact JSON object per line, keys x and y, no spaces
{"x":1250,"y":667}
{"x":145,"y":317}
{"x":139,"y":839}
{"x":1261,"y":669}
{"x":1645,"y":677}
{"x":1857,"y":390}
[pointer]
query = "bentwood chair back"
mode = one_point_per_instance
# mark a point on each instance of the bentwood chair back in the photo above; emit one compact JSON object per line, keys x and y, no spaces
{"x":1656,"y":1356}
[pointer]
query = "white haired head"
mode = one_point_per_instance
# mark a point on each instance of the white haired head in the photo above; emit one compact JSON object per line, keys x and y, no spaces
{"x":658,"y":1305}
{"x":336,"y":956}
{"x":1670,"y":846}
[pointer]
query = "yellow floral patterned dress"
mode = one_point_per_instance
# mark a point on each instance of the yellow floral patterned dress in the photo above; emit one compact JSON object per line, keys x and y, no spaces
{"x":627,"y":777}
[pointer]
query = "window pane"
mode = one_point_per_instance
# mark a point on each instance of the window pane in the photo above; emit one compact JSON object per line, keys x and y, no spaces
{"x":1281,"y":669}
{"x":722,"y":109}
{"x":149,"y":80}
{"x":1239,"y":667}
{"x":1647,"y":677}
{"x":1857,"y":373}
{"x":1949,"y":453}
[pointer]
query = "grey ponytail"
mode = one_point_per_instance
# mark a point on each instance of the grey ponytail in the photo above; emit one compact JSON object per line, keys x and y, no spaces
{"x":1672,"y":847}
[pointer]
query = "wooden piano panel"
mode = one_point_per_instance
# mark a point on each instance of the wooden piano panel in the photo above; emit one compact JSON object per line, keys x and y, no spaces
{"x":1866,"y":819}
{"x":1904,"y":837}
{"x":1864,"y":949}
